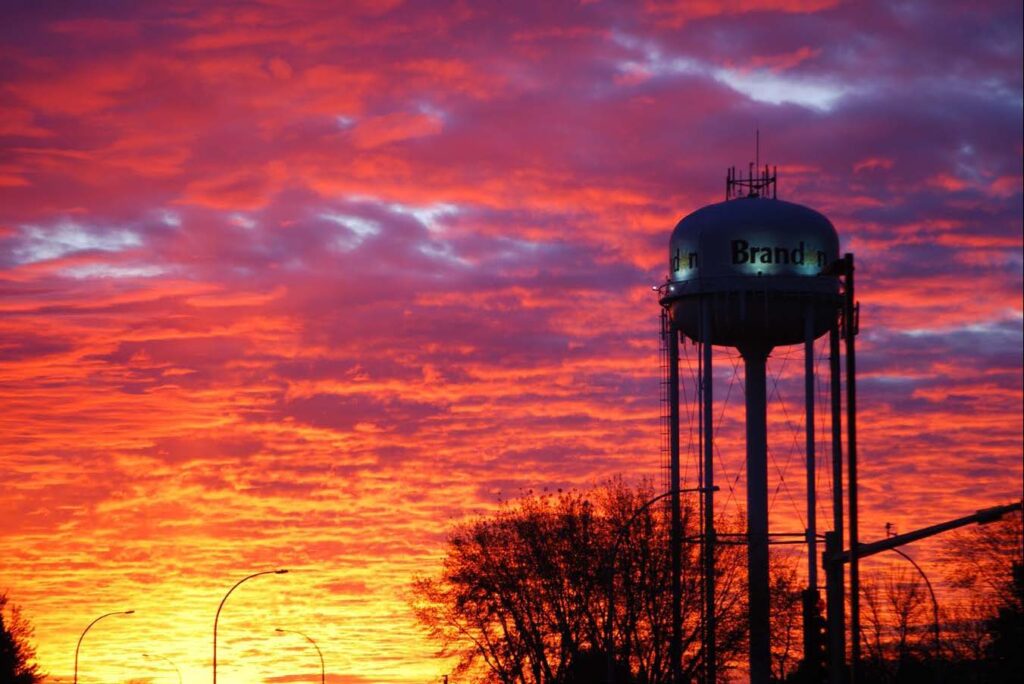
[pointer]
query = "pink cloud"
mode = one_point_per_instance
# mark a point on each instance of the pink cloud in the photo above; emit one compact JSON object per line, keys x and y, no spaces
{"x":291,"y":285}
{"x":389,"y":128}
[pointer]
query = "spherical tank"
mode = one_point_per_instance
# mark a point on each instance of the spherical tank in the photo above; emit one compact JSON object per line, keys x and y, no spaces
{"x":760,"y":265}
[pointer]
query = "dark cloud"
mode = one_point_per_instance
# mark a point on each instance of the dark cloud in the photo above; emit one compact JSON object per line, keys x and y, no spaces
{"x":288,"y":283}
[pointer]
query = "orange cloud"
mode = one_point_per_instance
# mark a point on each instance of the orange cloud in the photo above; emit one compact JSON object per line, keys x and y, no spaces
{"x":288,"y":285}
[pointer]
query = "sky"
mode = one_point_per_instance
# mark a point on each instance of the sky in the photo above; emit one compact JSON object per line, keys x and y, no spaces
{"x":296,"y":284}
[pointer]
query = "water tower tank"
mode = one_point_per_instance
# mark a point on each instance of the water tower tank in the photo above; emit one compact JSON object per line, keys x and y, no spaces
{"x":761,"y":263}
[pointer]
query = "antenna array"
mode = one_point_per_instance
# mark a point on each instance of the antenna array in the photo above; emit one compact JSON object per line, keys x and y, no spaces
{"x":761,"y":185}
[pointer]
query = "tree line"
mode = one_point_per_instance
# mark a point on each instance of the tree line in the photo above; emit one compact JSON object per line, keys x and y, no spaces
{"x":571,"y":587}
{"x":17,"y":654}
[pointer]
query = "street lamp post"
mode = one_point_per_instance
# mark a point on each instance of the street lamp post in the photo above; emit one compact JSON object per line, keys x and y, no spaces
{"x":216,"y":618}
{"x":166,"y":660}
{"x":116,"y":612}
{"x":610,"y":569}
{"x":935,"y":603}
{"x":889,"y":531}
{"x":310,"y":640}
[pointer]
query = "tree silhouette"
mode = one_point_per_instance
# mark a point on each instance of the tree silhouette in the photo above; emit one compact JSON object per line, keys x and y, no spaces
{"x":1006,"y":629}
{"x":981,"y":558}
{"x":982,"y":626}
{"x":522,"y":597}
{"x":17,"y":655}
{"x":987,"y":634}
{"x":896,"y":636}
{"x":786,"y":638}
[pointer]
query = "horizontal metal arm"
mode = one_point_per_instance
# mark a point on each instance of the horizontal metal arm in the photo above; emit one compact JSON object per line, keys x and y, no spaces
{"x":985,"y":515}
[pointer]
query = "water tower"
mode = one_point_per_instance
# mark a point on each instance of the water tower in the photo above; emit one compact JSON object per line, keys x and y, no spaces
{"x":752,"y":272}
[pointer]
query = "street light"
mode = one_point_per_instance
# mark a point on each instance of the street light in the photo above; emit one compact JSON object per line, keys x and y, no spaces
{"x":167,"y":660}
{"x":216,"y":618}
{"x":890,"y":531}
{"x":620,"y":533}
{"x":310,"y":640}
{"x":116,"y":612}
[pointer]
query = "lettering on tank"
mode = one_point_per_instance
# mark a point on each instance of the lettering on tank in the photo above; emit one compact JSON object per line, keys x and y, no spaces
{"x":745,"y":253}
{"x":681,"y":261}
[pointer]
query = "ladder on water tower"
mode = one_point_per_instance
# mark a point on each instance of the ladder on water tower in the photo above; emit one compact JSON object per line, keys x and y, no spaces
{"x":665,"y":461}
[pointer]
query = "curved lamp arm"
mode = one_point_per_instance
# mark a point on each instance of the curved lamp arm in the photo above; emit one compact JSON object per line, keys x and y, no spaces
{"x":79,"y":645}
{"x":216,"y":618}
{"x":935,"y":603}
{"x":166,"y":660}
{"x":310,"y":640}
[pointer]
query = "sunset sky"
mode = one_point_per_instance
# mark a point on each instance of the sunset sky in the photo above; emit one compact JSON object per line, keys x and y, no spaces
{"x":302,"y":284}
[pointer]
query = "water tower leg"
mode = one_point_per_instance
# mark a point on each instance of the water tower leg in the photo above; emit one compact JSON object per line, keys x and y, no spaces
{"x":676,"y":650}
{"x":757,"y":512}
{"x":812,"y":641}
{"x":834,"y":608}
{"x":835,"y":591}
{"x":850,"y":328}
{"x":710,"y":620}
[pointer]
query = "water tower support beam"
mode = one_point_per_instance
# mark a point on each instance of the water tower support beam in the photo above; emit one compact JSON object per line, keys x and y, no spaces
{"x":850,"y":330}
{"x":707,"y":385}
{"x":812,"y":645}
{"x":834,"y":581}
{"x":676,"y":648}
{"x":812,"y":516}
{"x":755,"y":362}
{"x":834,"y":608}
